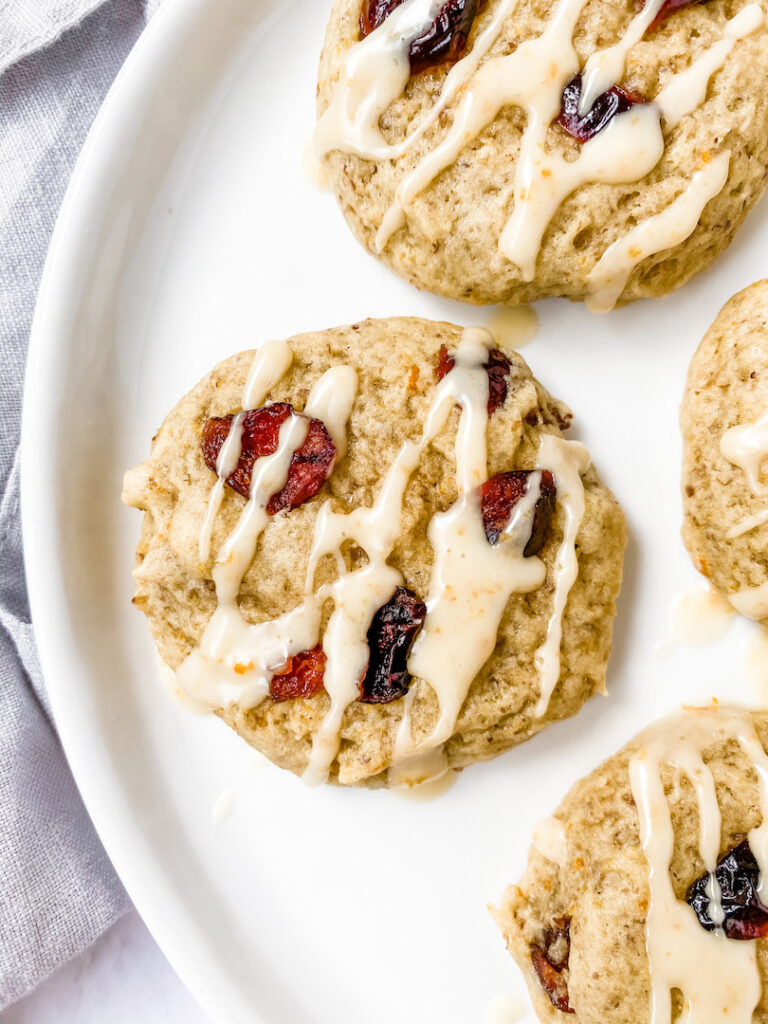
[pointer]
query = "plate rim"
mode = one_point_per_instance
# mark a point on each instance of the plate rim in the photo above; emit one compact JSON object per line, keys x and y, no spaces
{"x":91,"y":181}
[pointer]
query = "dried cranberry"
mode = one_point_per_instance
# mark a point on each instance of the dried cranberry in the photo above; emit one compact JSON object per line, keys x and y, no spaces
{"x":301,"y":676}
{"x":310,"y":466}
{"x":444,"y":40}
{"x":500,"y":494}
{"x":615,"y":101}
{"x":738,"y":876}
{"x":551,"y":959}
{"x":445,"y":363}
{"x":497,"y":368}
{"x":393,"y":630}
{"x":375,"y":13}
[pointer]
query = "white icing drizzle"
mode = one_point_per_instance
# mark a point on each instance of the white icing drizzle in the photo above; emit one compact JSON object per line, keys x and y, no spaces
{"x":718,"y":977}
{"x":567,"y":461}
{"x":471,"y":584}
{"x":520,"y":524}
{"x":747,"y":524}
{"x":751,"y":601}
{"x":351,"y":121}
{"x":375,"y":71}
{"x":606,"y":67}
{"x":746,"y":447}
{"x":687,"y":90}
{"x":357,"y":595}
{"x":549,"y":839}
{"x":666,"y":229}
{"x":331,"y":401}
{"x":269,"y":365}
{"x":471,"y":580}
{"x":226,"y":464}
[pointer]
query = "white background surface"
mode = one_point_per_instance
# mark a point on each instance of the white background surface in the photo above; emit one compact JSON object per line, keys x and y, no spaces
{"x":192,"y":232}
{"x":122,"y":979}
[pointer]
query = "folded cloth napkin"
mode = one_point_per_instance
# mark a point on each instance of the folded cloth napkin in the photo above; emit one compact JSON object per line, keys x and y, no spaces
{"x":58,"y":891}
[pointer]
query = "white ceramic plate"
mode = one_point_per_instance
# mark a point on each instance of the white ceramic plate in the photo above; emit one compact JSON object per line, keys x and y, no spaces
{"x":191,"y":231}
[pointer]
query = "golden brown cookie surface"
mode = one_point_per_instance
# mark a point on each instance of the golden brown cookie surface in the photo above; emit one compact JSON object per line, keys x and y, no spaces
{"x":614,"y":902}
{"x":725,"y":490}
{"x":396,"y":363}
{"x":455,"y":236}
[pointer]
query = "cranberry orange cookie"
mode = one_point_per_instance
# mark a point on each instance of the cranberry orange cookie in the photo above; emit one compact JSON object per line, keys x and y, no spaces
{"x":724,"y":419}
{"x":371,"y":551}
{"x":645,"y":896}
{"x":507,"y":150}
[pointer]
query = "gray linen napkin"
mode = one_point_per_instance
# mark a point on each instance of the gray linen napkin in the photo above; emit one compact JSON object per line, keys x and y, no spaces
{"x":58,"y":891}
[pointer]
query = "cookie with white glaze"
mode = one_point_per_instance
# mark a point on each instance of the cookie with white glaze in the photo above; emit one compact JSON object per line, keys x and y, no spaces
{"x":428,"y":131}
{"x":615,"y":910}
{"x":419,"y":593}
{"x":724,"y":419}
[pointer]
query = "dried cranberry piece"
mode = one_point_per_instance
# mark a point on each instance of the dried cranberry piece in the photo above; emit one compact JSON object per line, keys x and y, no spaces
{"x":500,"y":494}
{"x":375,"y":13}
{"x":551,"y":959}
{"x":300,"y":676}
{"x":738,"y":876}
{"x":615,"y":101}
{"x":444,"y":40}
{"x":445,"y":363}
{"x":310,"y":465}
{"x":497,"y":368}
{"x":392,"y":632}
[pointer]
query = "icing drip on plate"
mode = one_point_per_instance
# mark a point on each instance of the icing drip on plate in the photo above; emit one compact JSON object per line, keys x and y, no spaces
{"x":374,"y":73}
{"x":718,"y":977}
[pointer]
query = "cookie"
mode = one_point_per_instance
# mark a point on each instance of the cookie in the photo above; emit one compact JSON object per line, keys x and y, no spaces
{"x":514,"y":149}
{"x":724,"y":419}
{"x":616,"y":919}
{"x":371,"y":551}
